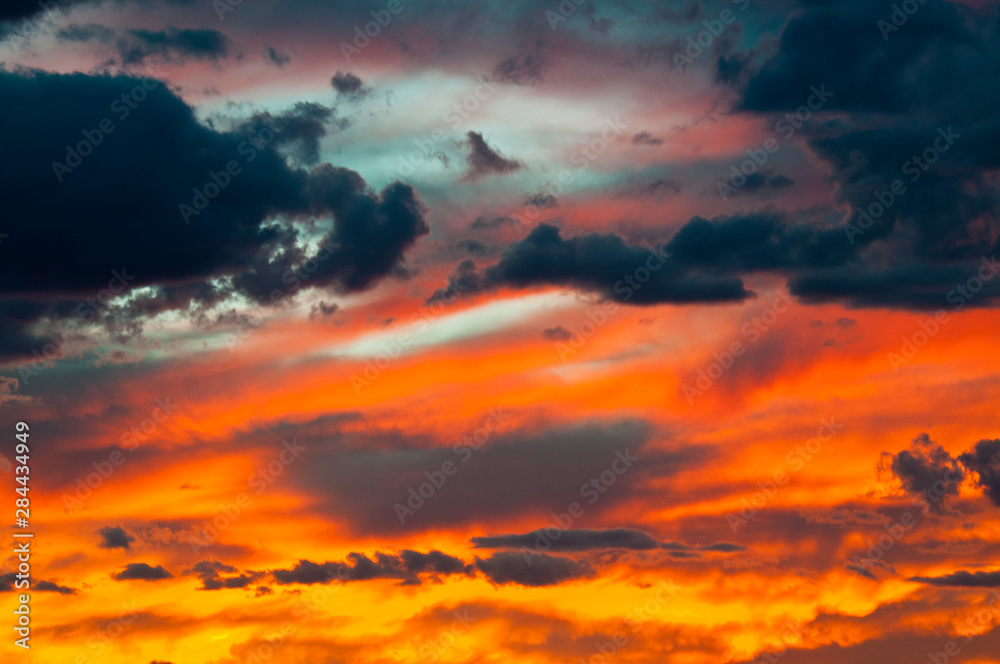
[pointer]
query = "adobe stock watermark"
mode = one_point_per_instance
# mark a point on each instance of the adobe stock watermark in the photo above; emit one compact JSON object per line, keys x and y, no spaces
{"x":216,"y":182}
{"x":259,"y":481}
{"x":900,"y":14}
{"x":86,"y":485}
{"x":753,"y":330}
{"x":223,"y":7}
{"x":795,"y":460}
{"x":565,"y":9}
{"x":698,"y":44}
{"x":473,"y":441}
{"x":372,"y":29}
{"x":959,"y":296}
{"x":914,"y":168}
{"x":786,"y":127}
{"x":599,"y":315}
{"x":983,"y":619}
{"x":592,"y":490}
{"x":582,"y":157}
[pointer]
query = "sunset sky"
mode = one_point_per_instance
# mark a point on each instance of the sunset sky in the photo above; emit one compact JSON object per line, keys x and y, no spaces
{"x":407,"y":331}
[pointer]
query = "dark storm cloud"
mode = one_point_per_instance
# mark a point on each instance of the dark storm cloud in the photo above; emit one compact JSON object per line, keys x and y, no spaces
{"x":349,"y":85}
{"x":590,"y":540}
{"x":524,"y":68}
{"x":708,"y":258}
{"x":593,"y":540}
{"x":490,"y":223}
{"x":211,"y":572}
{"x":984,"y":460}
{"x":912,"y":110}
{"x":407,"y":566}
{"x":542,"y":200}
{"x":179,"y":154}
{"x":433,"y":562}
{"x":861,"y":571}
{"x":557,"y":333}
{"x":465,"y":281}
{"x":963,"y":579}
{"x":115,"y":537}
{"x":912,"y":285}
{"x":605,"y":264}
{"x":534,"y":571}
{"x":16,"y":320}
{"x":722,"y":547}
{"x":323,"y":310}
{"x":473,"y":247}
{"x":925,"y":469}
{"x":302,"y":127}
{"x":306,"y":572}
{"x":116,"y":206}
{"x":276,"y":57}
{"x":8,"y":581}
{"x":755,"y":242}
{"x":50,"y":587}
{"x":732,"y":69}
{"x":86,"y":33}
{"x":135,"y":46}
{"x":12,"y":10}
{"x":760,"y":182}
{"x":646,"y":138}
{"x":373,"y":231}
{"x":944,"y":205}
{"x":572,"y":540}
{"x":142,"y":572}
{"x":411,"y":567}
{"x":484,"y":160}
{"x":15,"y":9}
{"x":838,"y":43}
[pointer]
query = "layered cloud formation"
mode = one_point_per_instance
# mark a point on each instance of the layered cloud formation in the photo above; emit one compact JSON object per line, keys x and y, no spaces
{"x":368,"y":332}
